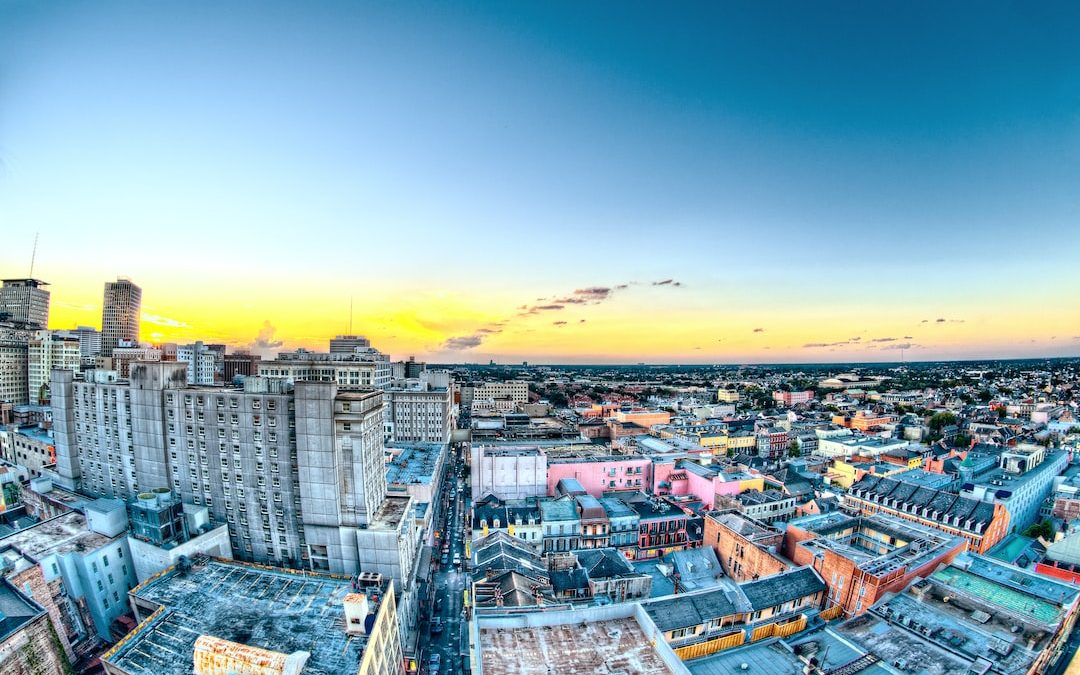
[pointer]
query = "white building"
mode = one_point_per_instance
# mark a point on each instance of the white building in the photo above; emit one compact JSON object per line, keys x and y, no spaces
{"x":46,"y":350}
{"x":499,"y":396}
{"x":511,"y":472}
{"x":418,"y":413}
{"x":89,"y":342}
{"x":202,"y":362}
{"x":349,"y":371}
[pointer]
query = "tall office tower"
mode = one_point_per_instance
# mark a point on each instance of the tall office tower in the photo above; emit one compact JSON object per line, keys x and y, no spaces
{"x":120,"y":313}
{"x":347,"y":344}
{"x":49,"y":349}
{"x":25,"y":302}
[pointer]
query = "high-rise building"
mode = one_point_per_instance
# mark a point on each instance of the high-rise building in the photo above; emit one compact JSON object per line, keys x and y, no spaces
{"x":49,"y":349}
{"x":297,"y":472}
{"x":25,"y":302}
{"x":120,"y":314}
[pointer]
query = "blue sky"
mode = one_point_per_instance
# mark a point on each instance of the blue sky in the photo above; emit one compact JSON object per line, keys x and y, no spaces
{"x":871,"y":162}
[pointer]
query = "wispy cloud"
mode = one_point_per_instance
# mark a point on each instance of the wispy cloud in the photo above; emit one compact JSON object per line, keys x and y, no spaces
{"x":76,"y":306}
{"x":759,"y":330}
{"x":165,"y":321}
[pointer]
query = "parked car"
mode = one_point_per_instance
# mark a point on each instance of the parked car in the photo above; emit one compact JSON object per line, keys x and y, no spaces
{"x":436,"y":625}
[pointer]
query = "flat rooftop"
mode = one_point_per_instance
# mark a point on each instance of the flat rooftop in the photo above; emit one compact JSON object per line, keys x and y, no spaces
{"x":413,"y":463}
{"x":280,"y":610}
{"x":390,"y":513}
{"x":63,"y":534}
{"x":610,"y":646}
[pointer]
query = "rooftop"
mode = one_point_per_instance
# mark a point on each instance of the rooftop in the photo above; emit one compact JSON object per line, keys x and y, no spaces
{"x":63,"y":534}
{"x":280,"y":610}
{"x":15,"y":609}
{"x":616,"y":645}
{"x":413,"y":463}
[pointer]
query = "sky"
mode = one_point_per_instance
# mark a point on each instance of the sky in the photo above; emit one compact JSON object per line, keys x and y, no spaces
{"x":557,"y":182}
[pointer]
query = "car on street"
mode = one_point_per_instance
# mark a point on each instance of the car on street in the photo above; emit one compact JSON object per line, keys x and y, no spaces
{"x":445,"y":558}
{"x":436,"y":625}
{"x":434,"y":663}
{"x":457,"y":558}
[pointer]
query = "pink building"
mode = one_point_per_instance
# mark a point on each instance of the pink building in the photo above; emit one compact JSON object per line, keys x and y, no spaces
{"x":684,"y":477}
{"x":790,"y":398}
{"x":601,"y":474}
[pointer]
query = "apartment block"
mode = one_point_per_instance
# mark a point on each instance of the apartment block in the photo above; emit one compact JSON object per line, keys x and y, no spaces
{"x":296,"y":472}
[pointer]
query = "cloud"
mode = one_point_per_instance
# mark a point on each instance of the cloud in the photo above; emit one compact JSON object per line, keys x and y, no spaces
{"x":901,"y":345}
{"x":462,"y":342}
{"x":163,"y":321}
{"x":265,"y":338}
{"x":489,"y":331}
{"x":908,"y":337}
{"x":558,"y":323}
{"x":759,"y":330}
{"x":668,"y":282}
{"x":941,"y":320}
{"x":79,"y":307}
{"x":888,"y":339}
{"x":925,"y":321}
{"x":581,"y":320}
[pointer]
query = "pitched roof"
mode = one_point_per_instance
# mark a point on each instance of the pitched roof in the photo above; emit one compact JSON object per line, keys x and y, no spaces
{"x":780,"y":588}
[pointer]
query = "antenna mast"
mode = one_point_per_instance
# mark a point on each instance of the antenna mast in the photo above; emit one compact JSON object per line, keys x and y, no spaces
{"x":33,"y":255}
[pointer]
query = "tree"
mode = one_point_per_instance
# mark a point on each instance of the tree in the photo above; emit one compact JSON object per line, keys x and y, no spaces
{"x":1002,"y":412}
{"x":1045,"y":529}
{"x":793,"y":449}
{"x":940,"y":420}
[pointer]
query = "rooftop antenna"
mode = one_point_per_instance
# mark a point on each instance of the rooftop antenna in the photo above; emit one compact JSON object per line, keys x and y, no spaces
{"x":33,"y":255}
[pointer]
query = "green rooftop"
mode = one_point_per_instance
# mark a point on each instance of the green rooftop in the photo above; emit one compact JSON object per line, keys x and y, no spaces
{"x":1007,"y":598}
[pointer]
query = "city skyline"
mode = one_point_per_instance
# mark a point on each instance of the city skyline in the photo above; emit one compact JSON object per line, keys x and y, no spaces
{"x":517,"y":183}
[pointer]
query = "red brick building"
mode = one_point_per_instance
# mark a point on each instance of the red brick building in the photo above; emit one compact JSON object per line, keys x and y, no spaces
{"x":745,"y":547}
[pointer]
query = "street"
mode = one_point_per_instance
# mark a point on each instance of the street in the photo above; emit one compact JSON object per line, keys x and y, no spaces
{"x":443,"y":633}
